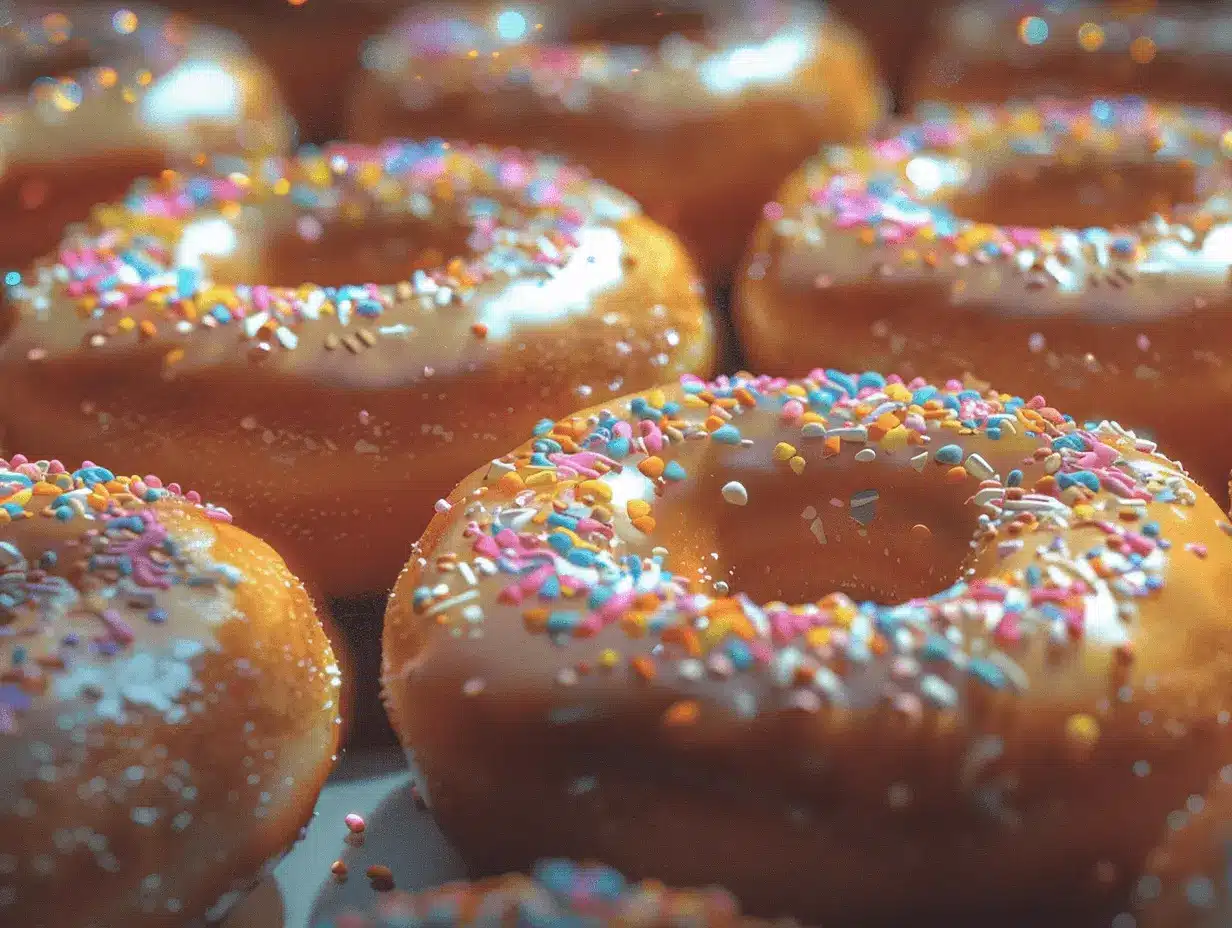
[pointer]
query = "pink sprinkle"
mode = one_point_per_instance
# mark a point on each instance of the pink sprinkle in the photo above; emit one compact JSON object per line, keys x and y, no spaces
{"x":355,"y":823}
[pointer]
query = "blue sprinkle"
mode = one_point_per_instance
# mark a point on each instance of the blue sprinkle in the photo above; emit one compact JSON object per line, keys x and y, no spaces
{"x":186,"y":279}
{"x":643,"y":410}
{"x":923,"y":395}
{"x":13,"y":509}
{"x":560,"y":520}
{"x":1014,"y":478}
{"x":671,"y":408}
{"x":936,"y":648}
{"x":618,"y":447}
{"x":843,"y":382}
{"x":550,"y":588}
{"x":580,"y":557}
{"x":993,"y":433}
{"x":556,"y":876}
{"x":562,"y":621}
{"x":543,"y":427}
{"x":949,"y":454}
{"x":539,"y":459}
{"x":871,"y":379}
{"x":726,"y":434}
{"x":673,"y":471}
{"x":987,"y":673}
{"x":741,"y":656}
{"x":1034,"y":575}
{"x":157,"y":616}
{"x":560,"y":542}
{"x":607,"y":884}
{"x":1084,"y":477}
{"x":1151,"y":529}
{"x":12,"y":278}
{"x":1072,"y":441}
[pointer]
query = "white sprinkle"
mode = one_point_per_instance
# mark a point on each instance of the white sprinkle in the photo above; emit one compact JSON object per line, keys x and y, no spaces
{"x":735,"y":493}
{"x":865,"y":455}
{"x":919,"y":461}
{"x":813,"y":430}
{"x":818,"y":530}
{"x":856,"y":433}
{"x":810,"y":512}
{"x":442,"y":506}
{"x":978,"y":468}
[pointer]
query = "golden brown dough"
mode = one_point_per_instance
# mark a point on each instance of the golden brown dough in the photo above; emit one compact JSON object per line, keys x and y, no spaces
{"x":94,"y":96}
{"x":168,"y":702}
{"x":862,"y":651}
{"x":324,"y":343}
{"x":988,"y":50}
{"x":718,"y":100}
{"x":1083,"y":247}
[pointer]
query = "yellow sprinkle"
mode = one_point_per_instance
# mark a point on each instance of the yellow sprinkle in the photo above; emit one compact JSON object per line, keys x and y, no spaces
{"x":895,"y":439}
{"x":608,"y":658}
{"x":844,"y":615}
{"x":784,"y":452}
{"x":597,"y":489}
{"x":656,"y":398}
{"x":637,"y":508}
{"x":797,"y":464}
{"x":1082,"y":728}
{"x":897,"y":392}
{"x":542,"y":479}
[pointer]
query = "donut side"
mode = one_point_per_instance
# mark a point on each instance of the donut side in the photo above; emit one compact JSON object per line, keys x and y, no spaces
{"x":574,"y":662}
{"x":169,"y":702}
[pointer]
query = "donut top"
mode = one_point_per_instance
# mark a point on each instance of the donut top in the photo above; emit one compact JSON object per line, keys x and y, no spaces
{"x":1137,"y":31}
{"x":885,"y":208}
{"x":611,"y":534}
{"x":559,"y":894}
{"x":179,"y":264}
{"x":746,"y":46}
{"x":118,"y":608}
{"x":132,"y":76}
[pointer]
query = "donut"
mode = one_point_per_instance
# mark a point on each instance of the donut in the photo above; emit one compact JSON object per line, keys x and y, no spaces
{"x":993,"y":51}
{"x":557,"y":894}
{"x":962,"y":671}
{"x":92,"y":97}
{"x":168,"y":702}
{"x":1083,"y":246}
{"x":721,"y":100}
{"x":1188,"y":878}
{"x":323,"y":343}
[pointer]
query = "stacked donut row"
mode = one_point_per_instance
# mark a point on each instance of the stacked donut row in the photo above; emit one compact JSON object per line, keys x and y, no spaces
{"x":671,"y":606}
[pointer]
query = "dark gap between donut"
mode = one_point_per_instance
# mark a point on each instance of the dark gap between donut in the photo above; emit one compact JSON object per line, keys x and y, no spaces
{"x":647,"y":28}
{"x":69,"y":58}
{"x":1043,"y":193}
{"x":383,"y":251}
{"x":41,"y":199}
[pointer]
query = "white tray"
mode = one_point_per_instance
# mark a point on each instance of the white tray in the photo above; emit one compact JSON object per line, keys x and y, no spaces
{"x":302,"y":892}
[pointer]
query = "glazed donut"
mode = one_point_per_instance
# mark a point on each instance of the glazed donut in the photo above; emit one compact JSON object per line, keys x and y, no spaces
{"x":719,"y":100}
{"x":991,"y":241}
{"x":989,"y":50}
{"x":93,"y":97}
{"x":1188,"y":879}
{"x":668,"y":609}
{"x":182,"y":330}
{"x":168,"y":702}
{"x":558,"y":893}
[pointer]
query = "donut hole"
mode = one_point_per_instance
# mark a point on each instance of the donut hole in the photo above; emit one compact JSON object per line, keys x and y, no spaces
{"x":380,"y":251}
{"x":876,"y":532}
{"x":1048,"y":193}
{"x":647,"y":28}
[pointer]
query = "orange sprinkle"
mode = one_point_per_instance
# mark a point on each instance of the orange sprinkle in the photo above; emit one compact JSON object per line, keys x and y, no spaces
{"x":684,"y":712}
{"x":831,"y":446}
{"x":644,"y":667}
{"x":956,"y":475}
{"x":644,"y":524}
{"x":637,"y":508}
{"x":652,"y":467}
{"x":480,"y":330}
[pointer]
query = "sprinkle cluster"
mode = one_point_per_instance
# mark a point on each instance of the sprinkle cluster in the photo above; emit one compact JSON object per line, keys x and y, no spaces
{"x":550,"y":534}
{"x":143,"y":271}
{"x":122,"y":564}
{"x":559,"y":894}
{"x":892,"y":195}
{"x":430,"y":53}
